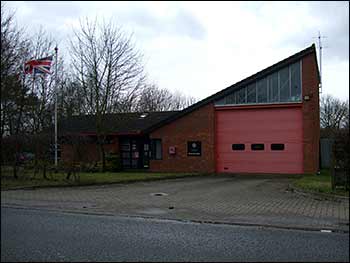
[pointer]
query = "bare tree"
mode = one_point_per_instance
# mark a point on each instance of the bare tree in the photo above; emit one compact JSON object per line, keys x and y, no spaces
{"x":180,"y":101}
{"x":153,"y":98}
{"x":109,"y":71}
{"x":40,"y":146}
{"x":73,"y":165}
{"x":24,"y":107}
{"x":334,"y":113}
{"x":14,"y":49}
{"x":14,"y":99}
{"x":70,"y":101}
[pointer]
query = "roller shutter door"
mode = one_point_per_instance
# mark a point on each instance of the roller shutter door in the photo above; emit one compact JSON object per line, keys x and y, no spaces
{"x":279,"y":127}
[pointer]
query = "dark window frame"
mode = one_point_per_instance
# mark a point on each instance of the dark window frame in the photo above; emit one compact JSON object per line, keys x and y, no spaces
{"x":256,"y":147}
{"x":189,"y":144}
{"x":238,"y":147}
{"x":277,"y":147}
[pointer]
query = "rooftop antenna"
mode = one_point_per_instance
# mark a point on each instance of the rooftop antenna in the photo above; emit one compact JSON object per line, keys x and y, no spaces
{"x":320,"y":57}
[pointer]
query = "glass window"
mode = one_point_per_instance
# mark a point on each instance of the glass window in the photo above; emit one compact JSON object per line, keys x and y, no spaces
{"x":240,"y":96}
{"x":295,"y":82}
{"x":280,"y":86}
{"x":125,"y":155}
{"x":126,"y":162}
{"x":238,"y":147}
{"x":220,"y":101}
{"x":134,"y":146}
{"x":157,"y":149}
{"x":273,"y":87}
{"x":284,"y":84}
{"x":194,"y":148}
{"x":134,"y":163}
{"x":230,"y":99}
{"x":251,"y":93}
{"x":262,"y":90}
{"x":277,"y":147}
{"x":257,"y":147}
{"x":125,"y":147}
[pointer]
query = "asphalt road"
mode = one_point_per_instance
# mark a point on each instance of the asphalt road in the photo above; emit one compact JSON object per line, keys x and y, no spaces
{"x":39,"y":235}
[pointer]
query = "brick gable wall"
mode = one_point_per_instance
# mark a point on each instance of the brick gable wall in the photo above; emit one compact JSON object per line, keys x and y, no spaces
{"x":195,"y":126}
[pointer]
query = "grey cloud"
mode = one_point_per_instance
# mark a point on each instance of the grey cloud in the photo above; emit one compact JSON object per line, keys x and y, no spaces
{"x":182,"y":24}
{"x":53,"y":10}
{"x":334,"y":25}
{"x":49,"y":15}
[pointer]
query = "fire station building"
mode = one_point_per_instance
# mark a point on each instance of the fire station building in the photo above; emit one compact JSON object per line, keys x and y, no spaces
{"x":266,"y":123}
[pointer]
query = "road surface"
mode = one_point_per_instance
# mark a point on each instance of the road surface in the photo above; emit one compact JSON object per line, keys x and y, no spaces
{"x":40,"y":235}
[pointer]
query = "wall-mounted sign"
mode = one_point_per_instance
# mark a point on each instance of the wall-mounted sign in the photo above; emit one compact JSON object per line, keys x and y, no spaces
{"x":172,"y":150}
{"x":194,"y":148}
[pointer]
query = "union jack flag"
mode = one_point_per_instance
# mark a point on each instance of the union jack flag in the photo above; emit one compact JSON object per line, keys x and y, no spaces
{"x":38,"y":66}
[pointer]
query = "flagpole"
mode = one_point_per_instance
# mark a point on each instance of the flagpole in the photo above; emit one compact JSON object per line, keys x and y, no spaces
{"x":56,"y":51}
{"x":33,"y":86}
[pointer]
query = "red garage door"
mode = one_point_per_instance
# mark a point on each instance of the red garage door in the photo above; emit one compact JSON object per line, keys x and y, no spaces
{"x":265,"y":140}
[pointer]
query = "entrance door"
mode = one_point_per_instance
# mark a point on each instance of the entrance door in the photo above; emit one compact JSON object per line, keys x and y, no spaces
{"x":125,"y":149}
{"x":134,"y":153}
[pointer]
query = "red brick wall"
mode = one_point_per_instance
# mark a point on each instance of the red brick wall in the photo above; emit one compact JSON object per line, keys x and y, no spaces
{"x":195,"y":126}
{"x":311,"y":115}
{"x":91,"y":150}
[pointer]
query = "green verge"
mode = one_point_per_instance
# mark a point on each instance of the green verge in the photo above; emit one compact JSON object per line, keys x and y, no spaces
{"x":59,"y":179}
{"x":319,"y":184}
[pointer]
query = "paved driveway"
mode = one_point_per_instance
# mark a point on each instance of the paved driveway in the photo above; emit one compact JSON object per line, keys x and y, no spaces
{"x":240,"y":199}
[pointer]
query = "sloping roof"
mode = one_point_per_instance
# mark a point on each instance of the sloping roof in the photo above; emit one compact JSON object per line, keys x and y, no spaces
{"x":121,"y":123}
{"x":261,"y":74}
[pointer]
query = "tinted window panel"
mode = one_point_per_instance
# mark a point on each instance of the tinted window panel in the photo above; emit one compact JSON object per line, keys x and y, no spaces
{"x":240,"y":96}
{"x":125,"y":155}
{"x":278,"y":87}
{"x":125,"y":147}
{"x":273,"y":88}
{"x":262,"y":90}
{"x":221,"y":101}
{"x":156,"y":149}
{"x":257,"y":147}
{"x":251,"y":93}
{"x":230,"y":99}
{"x":295,"y":82}
{"x":238,"y":147}
{"x":277,"y":147}
{"x":284,"y":85}
{"x":126,"y":162}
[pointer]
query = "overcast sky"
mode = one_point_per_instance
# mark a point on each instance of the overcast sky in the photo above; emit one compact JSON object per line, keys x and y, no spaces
{"x":200,"y":48}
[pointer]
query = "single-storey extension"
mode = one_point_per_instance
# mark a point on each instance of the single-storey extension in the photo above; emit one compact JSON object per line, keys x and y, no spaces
{"x":266,"y":123}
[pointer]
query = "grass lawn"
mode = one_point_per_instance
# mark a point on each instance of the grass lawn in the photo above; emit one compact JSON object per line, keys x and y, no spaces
{"x":59,"y":179}
{"x":319,"y":183}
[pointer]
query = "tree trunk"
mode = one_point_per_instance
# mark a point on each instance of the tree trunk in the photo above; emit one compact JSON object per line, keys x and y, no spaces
{"x":44,"y":171}
{"x":15,"y":175}
{"x":103,"y":156}
{"x":15,"y":163}
{"x":35,"y":166}
{"x":68,"y":175}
